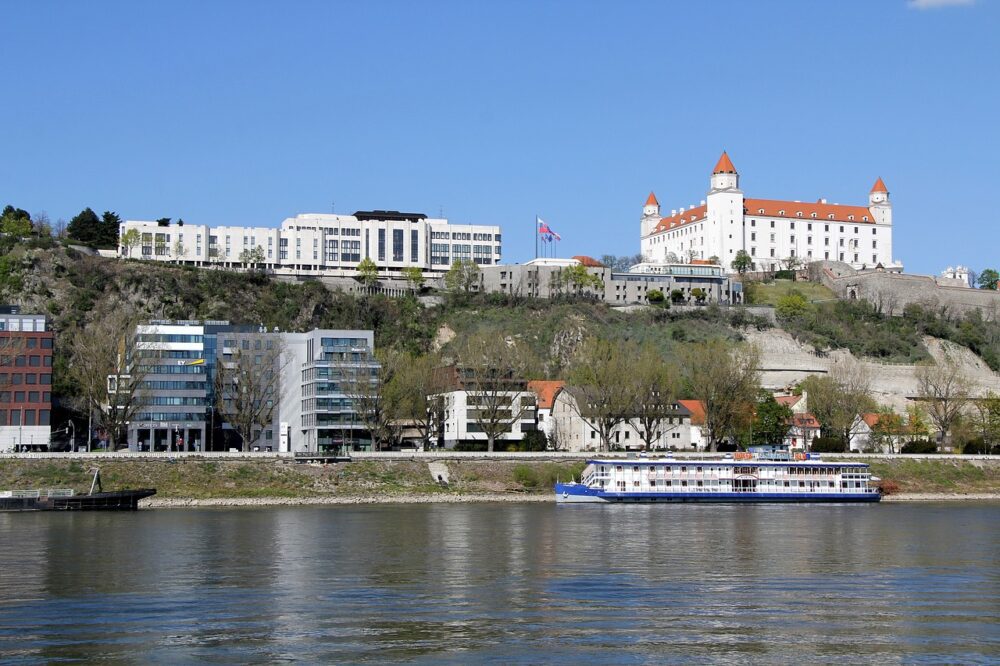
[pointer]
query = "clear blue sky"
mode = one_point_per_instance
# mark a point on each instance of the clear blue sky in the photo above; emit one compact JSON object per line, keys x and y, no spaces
{"x":249,"y":112}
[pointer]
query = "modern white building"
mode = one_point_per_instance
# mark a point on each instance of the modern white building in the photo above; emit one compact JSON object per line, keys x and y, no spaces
{"x":468,"y":403}
{"x":317,"y":244}
{"x":769,"y":230}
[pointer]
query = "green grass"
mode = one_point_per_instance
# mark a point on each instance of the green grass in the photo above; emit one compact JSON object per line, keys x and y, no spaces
{"x":939,"y":476}
{"x":769,"y":293}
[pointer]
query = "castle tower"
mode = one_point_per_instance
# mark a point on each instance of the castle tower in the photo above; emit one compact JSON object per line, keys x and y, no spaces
{"x":879,"y":204}
{"x":650,"y":214}
{"x":724,"y":175}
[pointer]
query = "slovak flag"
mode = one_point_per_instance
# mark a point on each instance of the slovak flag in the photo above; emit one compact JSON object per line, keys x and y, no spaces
{"x":545,"y":230}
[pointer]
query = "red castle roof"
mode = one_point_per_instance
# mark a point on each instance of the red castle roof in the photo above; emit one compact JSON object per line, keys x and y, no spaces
{"x":651,"y":200}
{"x":879,"y":186}
{"x":724,"y":165}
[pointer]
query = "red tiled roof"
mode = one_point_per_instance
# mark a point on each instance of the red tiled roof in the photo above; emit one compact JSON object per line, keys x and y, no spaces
{"x":788,"y":400}
{"x":724,"y":165}
{"x":545,"y":390}
{"x":697,"y":409}
{"x":823,"y":211}
{"x":589,"y":262}
{"x":879,"y":186}
{"x":651,"y":200}
{"x":680,"y":219}
{"x":805,"y":421}
{"x":871,"y":419}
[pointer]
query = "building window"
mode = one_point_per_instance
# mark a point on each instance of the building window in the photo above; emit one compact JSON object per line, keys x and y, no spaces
{"x":381,"y":244}
{"x":414,"y":246}
{"x":397,"y":245}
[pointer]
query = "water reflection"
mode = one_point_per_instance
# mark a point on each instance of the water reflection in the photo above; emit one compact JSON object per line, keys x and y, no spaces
{"x":514,"y":583}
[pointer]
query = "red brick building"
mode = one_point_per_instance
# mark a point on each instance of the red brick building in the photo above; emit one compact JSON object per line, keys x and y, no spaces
{"x":25,"y":381}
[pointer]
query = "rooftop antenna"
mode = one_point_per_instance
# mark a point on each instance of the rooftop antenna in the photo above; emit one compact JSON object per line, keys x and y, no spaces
{"x":441,"y":212}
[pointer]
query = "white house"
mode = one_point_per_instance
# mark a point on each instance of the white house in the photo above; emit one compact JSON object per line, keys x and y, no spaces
{"x":769,"y":230}
{"x":463,"y":420}
{"x":573,"y":431}
{"x":545,"y":393}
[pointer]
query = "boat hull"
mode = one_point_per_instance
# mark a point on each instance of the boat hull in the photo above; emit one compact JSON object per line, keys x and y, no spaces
{"x":580,"y":494}
{"x":119,"y":500}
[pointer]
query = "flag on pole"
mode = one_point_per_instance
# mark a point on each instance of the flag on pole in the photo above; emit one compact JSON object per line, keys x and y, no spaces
{"x":546,"y":231}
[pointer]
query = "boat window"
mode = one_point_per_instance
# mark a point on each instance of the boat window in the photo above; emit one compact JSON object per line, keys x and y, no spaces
{"x":635,"y":469}
{"x":699,"y":469}
{"x":618,"y":468}
{"x":684,"y":469}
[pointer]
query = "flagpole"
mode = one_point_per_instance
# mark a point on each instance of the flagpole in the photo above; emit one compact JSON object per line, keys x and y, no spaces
{"x":536,"y":237}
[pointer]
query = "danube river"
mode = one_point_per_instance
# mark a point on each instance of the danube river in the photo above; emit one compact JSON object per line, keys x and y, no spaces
{"x":506,"y":584}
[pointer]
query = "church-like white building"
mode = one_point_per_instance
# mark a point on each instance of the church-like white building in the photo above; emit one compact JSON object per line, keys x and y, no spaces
{"x":770,"y":230}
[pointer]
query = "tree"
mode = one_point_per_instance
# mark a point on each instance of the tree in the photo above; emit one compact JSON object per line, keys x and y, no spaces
{"x":742,"y":263}
{"x":724,"y":378}
{"x":714,"y":259}
{"x":699,"y":294}
{"x":791,"y":262}
{"x":988,"y":278}
{"x":251,"y":258}
{"x":839,"y":397}
{"x":462,"y":276}
{"x":579,"y":279}
{"x":248,"y":386}
{"x":888,"y":431}
{"x":676,"y":295}
{"x":85,"y":227}
{"x":367,"y":272}
{"x":692,"y":254}
{"x":15,"y":223}
{"x":792,"y":305}
{"x":413,"y":394}
{"x":179,"y":250}
{"x":492,"y":370}
{"x":946,"y":390}
{"x":601,"y":382}
{"x":415,"y":277}
{"x":655,"y":296}
{"x":108,"y":229}
{"x":371,"y":393}
{"x":771,"y":420}
{"x":130,"y":240}
{"x":987,"y":419}
{"x":109,"y":362}
{"x":653,"y":387}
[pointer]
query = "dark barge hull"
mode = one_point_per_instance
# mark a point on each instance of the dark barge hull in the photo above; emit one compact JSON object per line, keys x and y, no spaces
{"x":119,"y":500}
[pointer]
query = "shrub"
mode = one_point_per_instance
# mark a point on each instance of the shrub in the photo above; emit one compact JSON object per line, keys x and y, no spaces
{"x":828,"y":445}
{"x":655,"y":296}
{"x":888,"y":487}
{"x":784,"y":275}
{"x":978,"y":447}
{"x":919,"y":446}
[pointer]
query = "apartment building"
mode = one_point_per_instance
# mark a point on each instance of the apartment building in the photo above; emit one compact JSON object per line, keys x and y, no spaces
{"x":25,"y":381}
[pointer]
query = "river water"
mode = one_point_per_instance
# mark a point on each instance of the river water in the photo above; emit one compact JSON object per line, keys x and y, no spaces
{"x":506,"y":583}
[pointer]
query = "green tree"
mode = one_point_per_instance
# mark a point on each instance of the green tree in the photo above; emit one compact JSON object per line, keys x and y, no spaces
{"x":714,"y":259}
{"x":15,"y":225}
{"x":252,"y":257}
{"x":654,"y":385}
{"x":462,"y":276}
{"x":946,"y":390}
{"x":988,"y":279}
{"x":85,"y":227}
{"x":771,"y":420}
{"x":792,"y":305}
{"x":655,"y":296}
{"x":987,"y":419}
{"x":414,"y":275}
{"x":130,"y":240}
{"x":676,"y":296}
{"x":699,"y":294}
{"x":742,"y":263}
{"x":579,"y":279}
{"x":367,"y":272}
{"x":108,"y":229}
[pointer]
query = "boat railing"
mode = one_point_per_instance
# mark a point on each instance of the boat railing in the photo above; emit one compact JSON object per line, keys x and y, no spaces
{"x":21,"y":494}
{"x":60,"y":492}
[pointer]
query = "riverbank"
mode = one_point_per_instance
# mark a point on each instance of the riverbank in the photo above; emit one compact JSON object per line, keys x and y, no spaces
{"x":494,"y":498}
{"x":189,"y":481}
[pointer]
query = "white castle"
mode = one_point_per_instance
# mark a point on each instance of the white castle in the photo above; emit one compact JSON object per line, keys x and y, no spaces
{"x":770,"y":230}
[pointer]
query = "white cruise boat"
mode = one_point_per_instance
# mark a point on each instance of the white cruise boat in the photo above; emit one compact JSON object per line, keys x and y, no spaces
{"x":764,"y":474}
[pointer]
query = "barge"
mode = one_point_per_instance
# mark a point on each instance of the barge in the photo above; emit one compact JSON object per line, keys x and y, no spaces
{"x":66,"y":499}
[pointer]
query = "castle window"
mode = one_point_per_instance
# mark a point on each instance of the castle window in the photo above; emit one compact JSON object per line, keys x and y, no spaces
{"x":841,"y":229}
{"x":874,"y":231}
{"x":865,"y":218}
{"x":830,"y":216}
{"x":760,"y":210}
{"x":792,"y":225}
{"x":781,"y":213}
{"x":753,"y":223}
{"x":798,"y":214}
{"x":826,"y":227}
{"x":850,"y":217}
{"x":814,"y":216}
{"x":874,"y":244}
{"x":772,"y":223}
{"x":809,"y":227}
{"x":809,"y":240}
{"x":753,"y":252}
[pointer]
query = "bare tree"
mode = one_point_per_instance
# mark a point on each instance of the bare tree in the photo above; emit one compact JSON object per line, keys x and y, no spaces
{"x":413,"y":394}
{"x":492,"y":371}
{"x":838,"y":398}
{"x":109,"y":362}
{"x":370,"y":391}
{"x":248,"y":385}
{"x":601,"y":384}
{"x":655,"y":390}
{"x":947,"y":390}
{"x":723,"y":377}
